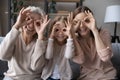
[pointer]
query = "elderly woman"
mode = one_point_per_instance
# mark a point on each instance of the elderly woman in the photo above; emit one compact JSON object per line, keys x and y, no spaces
{"x":24,"y":46}
{"x":93,"y":47}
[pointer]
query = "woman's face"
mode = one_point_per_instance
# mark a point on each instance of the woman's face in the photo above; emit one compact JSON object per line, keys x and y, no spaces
{"x":29,"y":29}
{"x":81,"y":28}
{"x":60,"y":30}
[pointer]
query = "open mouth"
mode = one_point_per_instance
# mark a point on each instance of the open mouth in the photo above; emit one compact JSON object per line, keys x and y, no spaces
{"x":83,"y":30}
{"x":29,"y":29}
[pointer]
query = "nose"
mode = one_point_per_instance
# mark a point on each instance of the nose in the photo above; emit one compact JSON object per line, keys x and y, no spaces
{"x":60,"y":32}
{"x":29,"y":20}
{"x":81,"y":24}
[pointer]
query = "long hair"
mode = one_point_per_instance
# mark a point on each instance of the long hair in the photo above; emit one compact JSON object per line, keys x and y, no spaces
{"x":82,"y":9}
{"x":56,"y":19}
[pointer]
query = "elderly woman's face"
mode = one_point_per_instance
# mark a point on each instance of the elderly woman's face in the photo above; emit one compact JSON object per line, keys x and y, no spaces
{"x":60,"y":31}
{"x":81,"y":28}
{"x":30,"y":19}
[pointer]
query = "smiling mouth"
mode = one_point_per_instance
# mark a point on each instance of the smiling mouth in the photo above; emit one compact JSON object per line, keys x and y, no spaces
{"x":83,"y":30}
{"x":30,"y":30}
{"x":60,"y":36}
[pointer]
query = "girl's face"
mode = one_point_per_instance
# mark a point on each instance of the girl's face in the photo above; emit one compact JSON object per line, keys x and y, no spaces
{"x":60,"y":30}
{"x":81,"y":28}
{"x":29,"y":29}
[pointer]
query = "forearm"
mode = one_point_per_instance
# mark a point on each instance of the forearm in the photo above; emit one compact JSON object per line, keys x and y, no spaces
{"x":79,"y":56}
{"x":7,"y":45}
{"x":70,"y":50}
{"x":102,"y":49}
{"x":38,"y":57}
{"x":49,"y":50}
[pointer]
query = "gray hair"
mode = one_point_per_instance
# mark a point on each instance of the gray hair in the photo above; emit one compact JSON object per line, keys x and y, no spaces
{"x":36,"y":10}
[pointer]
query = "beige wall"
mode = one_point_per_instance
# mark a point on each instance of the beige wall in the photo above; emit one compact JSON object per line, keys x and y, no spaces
{"x":98,"y":7}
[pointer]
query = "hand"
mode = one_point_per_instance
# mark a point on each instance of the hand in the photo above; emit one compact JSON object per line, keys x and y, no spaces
{"x":69,"y":28}
{"x":89,"y":21}
{"x":21,"y":18}
{"x":52,"y":34}
{"x":40,"y":26}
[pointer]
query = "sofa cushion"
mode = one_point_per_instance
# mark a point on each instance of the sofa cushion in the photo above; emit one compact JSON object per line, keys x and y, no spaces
{"x":3,"y":65}
{"x":3,"y":68}
{"x":116,"y":57}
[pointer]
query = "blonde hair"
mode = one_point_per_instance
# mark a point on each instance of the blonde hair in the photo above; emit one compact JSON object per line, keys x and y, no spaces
{"x":56,"y":19}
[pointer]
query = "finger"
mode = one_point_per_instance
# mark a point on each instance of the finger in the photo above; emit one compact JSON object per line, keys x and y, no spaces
{"x":66,"y":24}
{"x":46,"y":19}
{"x":71,"y":16}
{"x":91,"y":15}
{"x":22,"y":10}
{"x":48,"y":22}
{"x":86,"y":12}
{"x":68,"y":18}
{"x":26,"y":10}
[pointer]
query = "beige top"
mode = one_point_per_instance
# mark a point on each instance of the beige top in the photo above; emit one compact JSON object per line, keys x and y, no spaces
{"x":25,"y":62}
{"x":57,"y":54}
{"x":93,"y":66}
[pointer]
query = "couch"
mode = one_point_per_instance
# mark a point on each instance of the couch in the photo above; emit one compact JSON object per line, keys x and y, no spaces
{"x":75,"y":67}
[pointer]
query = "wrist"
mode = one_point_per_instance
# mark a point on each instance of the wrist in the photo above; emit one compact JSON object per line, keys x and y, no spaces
{"x":51,"y":36}
{"x":95,"y":32}
{"x":40,"y":37}
{"x":69,"y":36}
{"x":16,"y":26}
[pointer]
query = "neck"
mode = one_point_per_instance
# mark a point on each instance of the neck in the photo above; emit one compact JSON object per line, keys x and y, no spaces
{"x":27,"y":38}
{"x":60,"y":43}
{"x":89,"y":35}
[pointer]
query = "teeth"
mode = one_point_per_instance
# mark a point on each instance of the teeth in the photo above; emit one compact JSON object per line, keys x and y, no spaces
{"x":83,"y":29}
{"x":29,"y":29}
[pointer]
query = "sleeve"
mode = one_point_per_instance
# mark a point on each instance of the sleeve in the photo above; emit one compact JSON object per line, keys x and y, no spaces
{"x":7,"y":45}
{"x":105,"y":54}
{"x":69,"y":52}
{"x":38,"y":57}
{"x":49,"y":50}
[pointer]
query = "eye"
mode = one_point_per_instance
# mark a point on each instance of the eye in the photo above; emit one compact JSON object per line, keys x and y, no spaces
{"x":28,"y":18}
{"x":64,"y":30}
{"x":38,"y":23}
{"x":87,"y":20}
{"x":56,"y":30}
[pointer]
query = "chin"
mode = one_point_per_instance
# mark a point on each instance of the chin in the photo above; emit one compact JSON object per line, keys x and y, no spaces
{"x":60,"y":40}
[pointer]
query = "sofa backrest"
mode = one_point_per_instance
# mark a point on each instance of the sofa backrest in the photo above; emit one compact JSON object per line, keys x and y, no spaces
{"x":116,"y":53}
{"x":115,"y":60}
{"x":3,"y":65}
{"x":116,"y":57}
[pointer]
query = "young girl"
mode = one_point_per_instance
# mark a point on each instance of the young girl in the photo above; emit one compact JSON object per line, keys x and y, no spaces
{"x":60,"y":45}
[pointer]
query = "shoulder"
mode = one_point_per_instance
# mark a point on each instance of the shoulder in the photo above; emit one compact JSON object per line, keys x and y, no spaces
{"x":105,"y":35}
{"x":104,"y":32}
